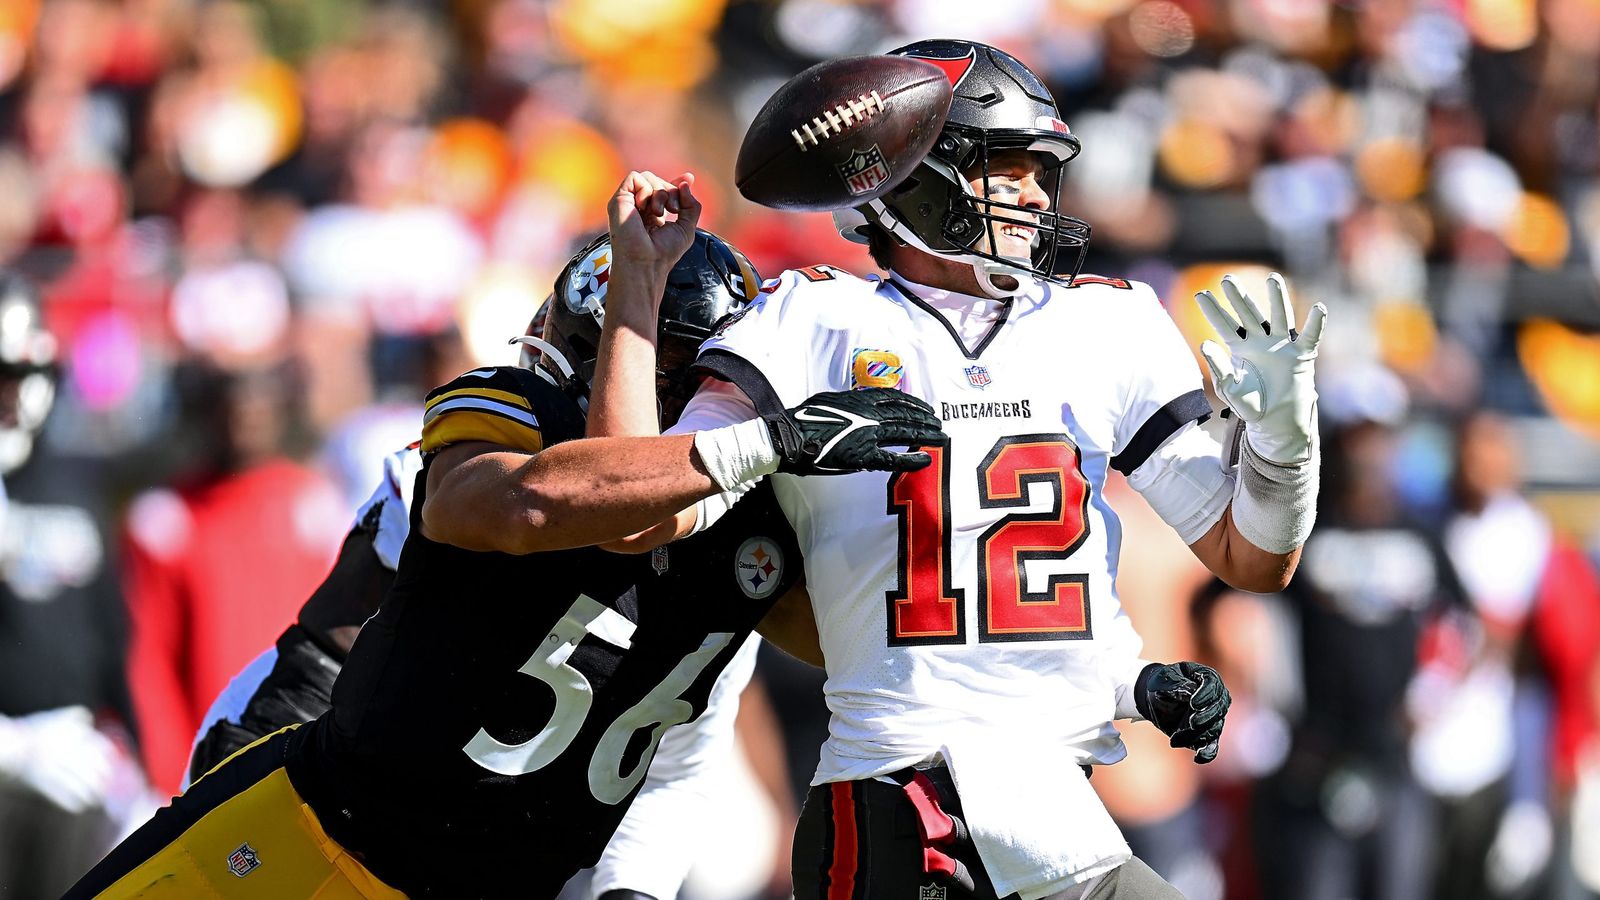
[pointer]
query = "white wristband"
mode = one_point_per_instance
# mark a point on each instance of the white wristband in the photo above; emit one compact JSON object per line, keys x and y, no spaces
{"x":736,"y":454}
{"x":1275,"y":506}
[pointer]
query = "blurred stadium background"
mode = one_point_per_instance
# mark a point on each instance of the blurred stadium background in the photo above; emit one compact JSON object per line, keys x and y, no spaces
{"x":262,"y":230}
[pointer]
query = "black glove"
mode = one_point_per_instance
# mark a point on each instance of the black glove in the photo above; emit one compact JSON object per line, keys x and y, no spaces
{"x":1187,"y":701}
{"x":846,"y":431}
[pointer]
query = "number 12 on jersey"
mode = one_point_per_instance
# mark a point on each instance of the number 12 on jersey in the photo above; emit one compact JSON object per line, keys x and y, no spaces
{"x":926,"y":608}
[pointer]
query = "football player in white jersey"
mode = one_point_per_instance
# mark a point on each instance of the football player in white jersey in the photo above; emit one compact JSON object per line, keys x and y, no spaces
{"x":968,"y":610}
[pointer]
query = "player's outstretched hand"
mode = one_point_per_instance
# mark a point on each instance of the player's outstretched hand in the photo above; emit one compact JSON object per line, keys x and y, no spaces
{"x":1265,"y":374}
{"x":1188,"y":702}
{"x":837,"y":432}
{"x":652,"y":220}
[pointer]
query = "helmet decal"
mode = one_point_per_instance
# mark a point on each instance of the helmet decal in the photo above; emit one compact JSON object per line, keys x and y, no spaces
{"x":1050,"y":123}
{"x":955,"y":69}
{"x":586,"y":285}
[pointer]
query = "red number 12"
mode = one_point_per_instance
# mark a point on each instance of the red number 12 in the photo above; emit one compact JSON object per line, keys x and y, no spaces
{"x":925,"y":608}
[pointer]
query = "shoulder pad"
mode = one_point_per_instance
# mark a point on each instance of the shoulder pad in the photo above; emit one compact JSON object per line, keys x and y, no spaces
{"x":505,"y":405}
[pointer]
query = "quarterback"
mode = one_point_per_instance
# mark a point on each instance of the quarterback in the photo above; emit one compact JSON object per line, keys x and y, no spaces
{"x":496,"y":718}
{"x":976,"y":650}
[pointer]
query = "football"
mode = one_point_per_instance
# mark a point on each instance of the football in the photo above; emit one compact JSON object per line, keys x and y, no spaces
{"x":842,"y":132}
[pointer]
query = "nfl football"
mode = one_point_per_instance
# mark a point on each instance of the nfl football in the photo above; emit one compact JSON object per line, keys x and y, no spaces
{"x":842,"y":132}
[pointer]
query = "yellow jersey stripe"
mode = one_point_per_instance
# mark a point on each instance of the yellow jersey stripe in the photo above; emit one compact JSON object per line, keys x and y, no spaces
{"x":467,"y":424}
{"x":490,"y":393}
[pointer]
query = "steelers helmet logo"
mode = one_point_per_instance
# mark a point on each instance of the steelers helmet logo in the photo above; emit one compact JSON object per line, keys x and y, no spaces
{"x":759,"y":566}
{"x":586,"y":283}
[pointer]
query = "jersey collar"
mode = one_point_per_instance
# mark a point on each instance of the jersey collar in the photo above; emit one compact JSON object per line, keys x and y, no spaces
{"x":932,"y":300}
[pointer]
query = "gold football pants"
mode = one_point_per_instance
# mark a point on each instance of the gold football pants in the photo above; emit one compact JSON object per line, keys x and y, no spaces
{"x":241,"y":831}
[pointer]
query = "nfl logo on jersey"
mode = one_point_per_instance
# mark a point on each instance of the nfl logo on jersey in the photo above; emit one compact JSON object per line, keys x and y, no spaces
{"x":930,"y":892}
{"x":243,"y":861}
{"x":978,"y":376}
{"x":864,"y":170}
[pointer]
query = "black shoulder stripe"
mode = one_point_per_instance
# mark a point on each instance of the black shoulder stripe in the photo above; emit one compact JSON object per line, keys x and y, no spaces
{"x":730,"y":366}
{"x":1162,"y":424}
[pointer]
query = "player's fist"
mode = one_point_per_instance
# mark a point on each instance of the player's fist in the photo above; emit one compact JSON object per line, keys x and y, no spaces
{"x":837,"y":432}
{"x":1188,"y":702}
{"x":1265,"y":375}
{"x":652,"y":221}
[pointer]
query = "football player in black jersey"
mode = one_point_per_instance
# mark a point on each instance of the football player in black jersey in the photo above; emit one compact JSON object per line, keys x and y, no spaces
{"x":497,"y":715}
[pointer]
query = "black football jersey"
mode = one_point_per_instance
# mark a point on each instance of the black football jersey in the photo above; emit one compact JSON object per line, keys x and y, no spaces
{"x":497,"y":716}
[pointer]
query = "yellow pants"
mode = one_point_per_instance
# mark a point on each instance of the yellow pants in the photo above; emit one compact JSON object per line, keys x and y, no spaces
{"x":242,"y":831}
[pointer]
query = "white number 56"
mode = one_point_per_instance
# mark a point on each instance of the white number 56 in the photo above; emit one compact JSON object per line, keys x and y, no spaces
{"x":659,"y":710}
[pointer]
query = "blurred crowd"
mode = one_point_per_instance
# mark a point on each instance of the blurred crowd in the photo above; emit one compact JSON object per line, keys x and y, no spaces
{"x":261,"y":231}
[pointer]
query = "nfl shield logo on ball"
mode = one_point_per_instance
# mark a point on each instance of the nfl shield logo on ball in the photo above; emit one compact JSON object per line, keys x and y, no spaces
{"x":930,"y":892}
{"x":978,"y":376}
{"x":864,"y":171}
{"x":243,"y":861}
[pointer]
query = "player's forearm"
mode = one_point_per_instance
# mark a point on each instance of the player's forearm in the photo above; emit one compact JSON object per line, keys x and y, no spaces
{"x":571,"y":495}
{"x":622,"y":399}
{"x":1240,"y":563}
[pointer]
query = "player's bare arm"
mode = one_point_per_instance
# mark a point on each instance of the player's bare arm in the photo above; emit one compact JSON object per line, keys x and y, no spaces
{"x":485,"y":497}
{"x":645,"y":244}
{"x":1265,"y":377}
{"x":481,"y":496}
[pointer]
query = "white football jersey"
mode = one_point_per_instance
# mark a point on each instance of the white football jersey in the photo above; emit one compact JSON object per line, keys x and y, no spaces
{"x":979,"y":593}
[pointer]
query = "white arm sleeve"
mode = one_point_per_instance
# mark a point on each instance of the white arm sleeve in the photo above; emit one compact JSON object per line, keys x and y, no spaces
{"x":1186,"y":482}
{"x":655,"y":844}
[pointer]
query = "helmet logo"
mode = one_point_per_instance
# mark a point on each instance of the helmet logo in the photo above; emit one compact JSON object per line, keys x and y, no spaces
{"x":1050,"y":123}
{"x":954,"y":69}
{"x":864,"y":171}
{"x":586,"y":286}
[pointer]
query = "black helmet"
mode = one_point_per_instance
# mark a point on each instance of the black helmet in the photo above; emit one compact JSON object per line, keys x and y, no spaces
{"x":999,"y":105}
{"x":710,"y":280}
{"x":27,"y":370}
{"x":529,"y":356}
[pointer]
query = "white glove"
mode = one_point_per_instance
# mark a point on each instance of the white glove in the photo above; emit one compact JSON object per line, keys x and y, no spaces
{"x":58,"y":753}
{"x":1521,"y":847}
{"x":1265,"y":375}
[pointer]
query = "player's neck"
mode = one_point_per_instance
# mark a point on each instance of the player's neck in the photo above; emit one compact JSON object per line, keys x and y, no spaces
{"x":934,"y":273}
{"x":942,"y":295}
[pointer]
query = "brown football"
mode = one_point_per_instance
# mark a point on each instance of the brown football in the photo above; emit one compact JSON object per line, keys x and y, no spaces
{"x":842,"y":132}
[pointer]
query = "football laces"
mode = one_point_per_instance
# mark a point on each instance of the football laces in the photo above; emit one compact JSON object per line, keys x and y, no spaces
{"x":834,"y":121}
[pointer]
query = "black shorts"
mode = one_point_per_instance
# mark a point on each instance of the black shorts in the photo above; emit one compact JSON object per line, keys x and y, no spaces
{"x":858,"y":840}
{"x":863,"y":840}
